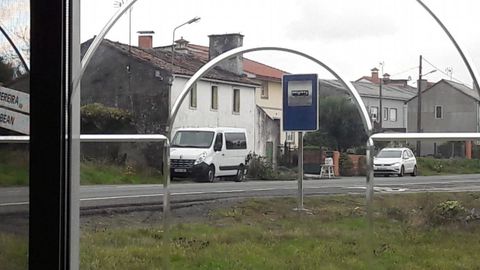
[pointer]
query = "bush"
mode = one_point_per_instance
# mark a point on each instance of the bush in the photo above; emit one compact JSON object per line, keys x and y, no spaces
{"x":346,"y":165}
{"x":260,"y":168}
{"x":99,"y":119}
{"x":448,"y":212}
{"x":362,"y":166}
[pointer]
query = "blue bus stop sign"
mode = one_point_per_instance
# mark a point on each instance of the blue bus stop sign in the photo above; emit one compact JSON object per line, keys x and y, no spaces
{"x":300,"y":102}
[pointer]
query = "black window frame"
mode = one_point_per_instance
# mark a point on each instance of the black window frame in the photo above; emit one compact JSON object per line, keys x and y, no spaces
{"x":436,"y":112}
{"x":214,"y":98}
{"x":236,"y":105}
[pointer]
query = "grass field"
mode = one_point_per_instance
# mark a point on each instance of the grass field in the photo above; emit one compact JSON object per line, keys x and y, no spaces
{"x":14,"y":172}
{"x":431,"y":166}
{"x":411,"y":231}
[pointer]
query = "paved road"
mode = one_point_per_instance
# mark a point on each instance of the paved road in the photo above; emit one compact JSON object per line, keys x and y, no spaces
{"x":93,"y":197}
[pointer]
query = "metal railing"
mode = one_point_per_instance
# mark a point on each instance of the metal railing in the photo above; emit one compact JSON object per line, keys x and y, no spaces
{"x":109,"y":138}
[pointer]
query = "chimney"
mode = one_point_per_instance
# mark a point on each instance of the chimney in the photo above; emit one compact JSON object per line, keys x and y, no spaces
{"x":423,"y":84}
{"x":223,"y":43}
{"x":375,"y":75}
{"x":181,"y":45}
{"x":386,"y":78}
{"x":145,"y":39}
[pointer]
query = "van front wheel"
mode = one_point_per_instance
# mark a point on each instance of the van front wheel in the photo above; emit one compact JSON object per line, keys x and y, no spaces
{"x":211,"y":174}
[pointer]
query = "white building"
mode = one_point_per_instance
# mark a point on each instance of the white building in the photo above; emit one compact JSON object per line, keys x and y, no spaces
{"x":214,"y":103}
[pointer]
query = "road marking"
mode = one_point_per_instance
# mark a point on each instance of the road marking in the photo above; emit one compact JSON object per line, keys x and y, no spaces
{"x":384,"y":189}
{"x":160,"y":195}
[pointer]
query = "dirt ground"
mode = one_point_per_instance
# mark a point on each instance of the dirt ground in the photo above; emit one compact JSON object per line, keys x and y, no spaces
{"x":145,"y":216}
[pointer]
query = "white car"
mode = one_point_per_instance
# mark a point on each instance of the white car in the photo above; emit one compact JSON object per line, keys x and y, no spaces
{"x":395,"y":161}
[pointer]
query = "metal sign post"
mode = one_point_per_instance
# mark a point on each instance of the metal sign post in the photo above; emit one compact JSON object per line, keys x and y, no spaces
{"x":300,"y":113}
{"x":300,"y":172}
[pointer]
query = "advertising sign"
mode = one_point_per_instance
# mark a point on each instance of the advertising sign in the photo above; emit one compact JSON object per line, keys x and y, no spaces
{"x":300,"y":102}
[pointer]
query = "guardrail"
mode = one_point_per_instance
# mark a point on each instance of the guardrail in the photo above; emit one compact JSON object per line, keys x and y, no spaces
{"x":97,"y":138}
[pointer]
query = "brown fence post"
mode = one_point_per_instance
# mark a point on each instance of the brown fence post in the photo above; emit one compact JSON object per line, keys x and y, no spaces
{"x":336,"y":163}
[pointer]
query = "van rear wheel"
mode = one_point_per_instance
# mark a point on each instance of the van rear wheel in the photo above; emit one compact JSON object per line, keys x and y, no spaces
{"x":240,"y":177}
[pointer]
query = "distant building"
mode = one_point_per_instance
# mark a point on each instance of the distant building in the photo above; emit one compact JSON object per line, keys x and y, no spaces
{"x":268,"y":91}
{"x":394,"y":95}
{"x":447,"y":106}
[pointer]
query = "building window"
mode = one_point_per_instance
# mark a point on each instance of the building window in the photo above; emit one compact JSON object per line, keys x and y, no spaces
{"x":289,"y":136}
{"x":236,"y":140}
{"x":374,"y":113}
{"x":236,"y":100}
{"x":438,"y":112}
{"x":393,"y":115}
{"x":214,"y":105}
{"x":264,"y":93}
{"x":385,"y":114}
{"x":193,"y":97}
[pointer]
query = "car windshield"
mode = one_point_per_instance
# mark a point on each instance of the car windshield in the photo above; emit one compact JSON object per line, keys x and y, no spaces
{"x":390,"y":154}
{"x":193,"y":139}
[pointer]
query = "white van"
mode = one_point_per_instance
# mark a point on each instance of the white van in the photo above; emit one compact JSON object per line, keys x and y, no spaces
{"x":206,"y":153}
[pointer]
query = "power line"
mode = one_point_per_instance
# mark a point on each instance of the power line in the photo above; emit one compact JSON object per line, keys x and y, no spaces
{"x":398,"y":73}
{"x":443,"y":72}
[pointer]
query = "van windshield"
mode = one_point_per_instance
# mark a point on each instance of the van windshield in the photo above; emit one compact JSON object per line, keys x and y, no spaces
{"x":390,"y":154}
{"x":193,"y":139}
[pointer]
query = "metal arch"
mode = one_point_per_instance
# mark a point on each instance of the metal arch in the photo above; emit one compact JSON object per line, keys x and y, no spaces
{"x":96,"y":42}
{"x":465,"y":57}
{"x":17,"y":51}
{"x":241,"y":50}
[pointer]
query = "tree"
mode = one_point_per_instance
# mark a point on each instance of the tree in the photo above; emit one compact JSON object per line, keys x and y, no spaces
{"x":7,"y":71}
{"x":340,"y":125}
{"x":14,"y":21}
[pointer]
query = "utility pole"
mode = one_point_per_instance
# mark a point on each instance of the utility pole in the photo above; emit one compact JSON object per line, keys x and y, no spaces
{"x":380,"y":113}
{"x":419,"y":106}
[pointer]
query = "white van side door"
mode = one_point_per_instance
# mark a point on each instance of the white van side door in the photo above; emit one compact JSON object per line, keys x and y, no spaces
{"x":218,"y":154}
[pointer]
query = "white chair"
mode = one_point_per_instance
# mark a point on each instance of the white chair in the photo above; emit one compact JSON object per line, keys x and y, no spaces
{"x":326,"y":169}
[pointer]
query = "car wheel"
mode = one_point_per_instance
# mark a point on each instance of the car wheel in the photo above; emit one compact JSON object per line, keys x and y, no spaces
{"x":402,"y":172}
{"x":240,"y":174}
{"x":211,"y":174}
{"x":414,"y":173}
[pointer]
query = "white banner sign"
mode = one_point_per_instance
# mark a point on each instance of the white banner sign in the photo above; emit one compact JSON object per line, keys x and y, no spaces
{"x":15,"y":121}
{"x":14,"y":99}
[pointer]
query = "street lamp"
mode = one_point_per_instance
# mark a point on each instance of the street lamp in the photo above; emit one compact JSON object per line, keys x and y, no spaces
{"x":119,"y":4}
{"x":195,"y":19}
{"x":419,"y":103}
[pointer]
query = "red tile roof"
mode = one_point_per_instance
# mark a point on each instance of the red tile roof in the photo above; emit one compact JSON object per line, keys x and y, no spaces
{"x":261,"y":71}
{"x":184,"y":63}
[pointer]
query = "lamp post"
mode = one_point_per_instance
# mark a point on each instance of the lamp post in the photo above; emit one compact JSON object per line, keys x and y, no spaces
{"x":380,"y":113}
{"x":195,"y":19}
{"x":166,"y":151}
{"x":419,"y":103}
{"x":119,"y":4}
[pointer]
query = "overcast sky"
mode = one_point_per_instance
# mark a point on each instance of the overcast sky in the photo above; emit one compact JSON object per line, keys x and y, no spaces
{"x":350,"y":36}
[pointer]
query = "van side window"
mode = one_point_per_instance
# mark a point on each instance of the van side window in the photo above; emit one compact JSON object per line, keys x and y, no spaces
{"x":236,"y":141}
{"x":218,"y":141}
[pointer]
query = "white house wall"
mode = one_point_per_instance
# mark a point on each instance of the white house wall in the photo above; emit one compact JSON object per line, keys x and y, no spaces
{"x":204,"y":116}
